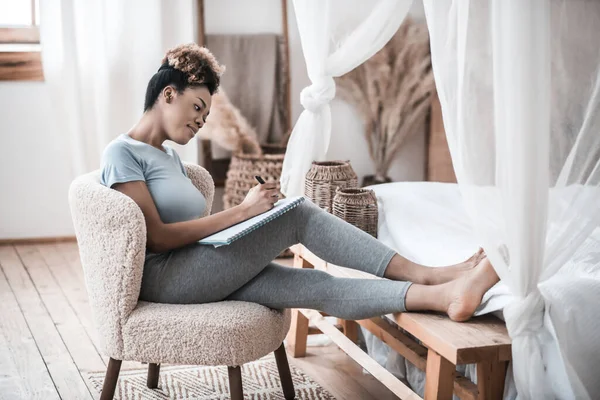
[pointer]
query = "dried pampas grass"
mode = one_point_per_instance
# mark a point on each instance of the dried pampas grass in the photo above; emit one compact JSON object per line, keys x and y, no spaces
{"x":227,"y":127}
{"x":392,"y":92}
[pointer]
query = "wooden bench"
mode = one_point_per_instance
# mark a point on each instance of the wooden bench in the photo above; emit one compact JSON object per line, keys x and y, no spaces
{"x":443,"y":343}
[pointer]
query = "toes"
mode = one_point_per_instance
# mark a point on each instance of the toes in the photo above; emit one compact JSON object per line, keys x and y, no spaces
{"x":478,"y":256}
{"x":481,"y":255}
{"x":474,"y":258}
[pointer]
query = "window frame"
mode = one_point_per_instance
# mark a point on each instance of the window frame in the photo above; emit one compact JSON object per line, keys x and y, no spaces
{"x":20,"y":35}
{"x":21,"y":65}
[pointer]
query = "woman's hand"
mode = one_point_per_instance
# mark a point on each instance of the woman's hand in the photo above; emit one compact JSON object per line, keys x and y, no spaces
{"x":260,"y":199}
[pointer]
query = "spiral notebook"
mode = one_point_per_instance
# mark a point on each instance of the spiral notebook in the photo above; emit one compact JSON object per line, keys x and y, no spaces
{"x":233,"y":233}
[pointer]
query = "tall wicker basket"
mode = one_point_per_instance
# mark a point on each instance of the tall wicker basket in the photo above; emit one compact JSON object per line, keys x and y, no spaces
{"x":243,"y":168}
{"x":358,"y":207}
{"x":324,"y":178}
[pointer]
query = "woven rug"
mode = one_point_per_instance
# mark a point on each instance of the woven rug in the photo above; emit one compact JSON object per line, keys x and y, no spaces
{"x":259,"y":378}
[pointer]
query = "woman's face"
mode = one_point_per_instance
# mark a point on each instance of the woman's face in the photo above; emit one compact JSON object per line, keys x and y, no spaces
{"x":185,"y":113}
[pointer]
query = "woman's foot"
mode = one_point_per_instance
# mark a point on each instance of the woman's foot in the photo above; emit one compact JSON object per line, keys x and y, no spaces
{"x":440,"y":275}
{"x":401,"y":269}
{"x":464,"y":294}
{"x":458,"y":298}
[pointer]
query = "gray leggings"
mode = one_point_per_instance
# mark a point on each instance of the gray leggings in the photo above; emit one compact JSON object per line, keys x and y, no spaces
{"x":244,"y":270}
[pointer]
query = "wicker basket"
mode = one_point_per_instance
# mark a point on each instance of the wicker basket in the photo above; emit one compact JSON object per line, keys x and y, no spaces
{"x":324,"y":178}
{"x":358,"y":207}
{"x":243,"y":168}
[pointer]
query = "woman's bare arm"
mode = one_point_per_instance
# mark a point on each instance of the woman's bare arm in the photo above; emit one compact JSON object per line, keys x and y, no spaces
{"x":163,"y":237}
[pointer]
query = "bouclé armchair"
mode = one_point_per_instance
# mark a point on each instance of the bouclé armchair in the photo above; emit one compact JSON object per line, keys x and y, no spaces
{"x":111,"y":234}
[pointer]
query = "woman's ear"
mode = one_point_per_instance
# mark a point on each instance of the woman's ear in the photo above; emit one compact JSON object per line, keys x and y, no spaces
{"x":168,"y":93}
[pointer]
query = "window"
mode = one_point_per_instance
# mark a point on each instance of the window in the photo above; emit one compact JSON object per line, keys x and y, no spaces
{"x":20,"y":57}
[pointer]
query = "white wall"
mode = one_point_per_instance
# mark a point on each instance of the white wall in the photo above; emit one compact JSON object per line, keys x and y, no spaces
{"x":35,"y":166}
{"x":235,"y":16}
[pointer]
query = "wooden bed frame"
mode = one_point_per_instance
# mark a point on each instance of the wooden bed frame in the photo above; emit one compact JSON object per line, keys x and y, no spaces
{"x":443,"y":343}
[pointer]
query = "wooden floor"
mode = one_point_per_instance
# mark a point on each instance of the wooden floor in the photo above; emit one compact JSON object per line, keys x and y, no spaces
{"x":47,"y":338}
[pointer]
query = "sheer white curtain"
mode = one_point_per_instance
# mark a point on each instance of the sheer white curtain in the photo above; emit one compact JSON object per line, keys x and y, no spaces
{"x":336,"y":36}
{"x":98,"y":56}
{"x":519,"y":87}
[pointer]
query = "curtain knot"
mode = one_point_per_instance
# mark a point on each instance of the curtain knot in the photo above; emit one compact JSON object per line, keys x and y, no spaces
{"x":317,"y":95}
{"x":525,"y":315}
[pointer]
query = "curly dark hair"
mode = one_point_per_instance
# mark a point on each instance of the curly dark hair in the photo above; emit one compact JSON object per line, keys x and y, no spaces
{"x":184,"y":66}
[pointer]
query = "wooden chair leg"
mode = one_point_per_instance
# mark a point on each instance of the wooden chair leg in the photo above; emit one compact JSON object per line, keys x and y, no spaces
{"x":284,"y":373}
{"x":235,"y":383}
{"x":153,"y":371}
{"x":439,"y":377}
{"x":490,"y":379}
{"x":110,"y":380}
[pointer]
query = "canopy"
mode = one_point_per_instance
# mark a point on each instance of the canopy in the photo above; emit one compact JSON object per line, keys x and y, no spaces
{"x":519,"y":89}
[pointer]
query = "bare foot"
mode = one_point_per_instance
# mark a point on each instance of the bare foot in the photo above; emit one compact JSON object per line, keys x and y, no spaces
{"x":464,"y":294}
{"x":402,"y":269}
{"x":441,"y":275}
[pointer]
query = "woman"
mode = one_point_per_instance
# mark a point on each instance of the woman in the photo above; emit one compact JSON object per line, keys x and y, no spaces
{"x":179,"y":270}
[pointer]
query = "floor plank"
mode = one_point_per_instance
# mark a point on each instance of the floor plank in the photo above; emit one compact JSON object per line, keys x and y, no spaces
{"x":79,"y":344}
{"x":24,"y":373}
{"x":70,"y":252}
{"x":62,"y":369}
{"x":75,"y":299}
{"x":340,"y":375}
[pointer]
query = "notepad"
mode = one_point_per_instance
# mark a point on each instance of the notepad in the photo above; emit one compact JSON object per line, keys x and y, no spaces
{"x":233,"y":233}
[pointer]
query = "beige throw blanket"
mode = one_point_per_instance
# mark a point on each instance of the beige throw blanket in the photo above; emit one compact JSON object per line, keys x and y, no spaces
{"x":254,"y":81}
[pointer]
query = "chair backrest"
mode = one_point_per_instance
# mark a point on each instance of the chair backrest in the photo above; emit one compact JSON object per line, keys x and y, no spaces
{"x":203,"y":182}
{"x":111,"y":234}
